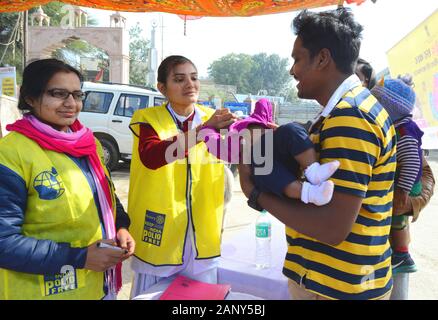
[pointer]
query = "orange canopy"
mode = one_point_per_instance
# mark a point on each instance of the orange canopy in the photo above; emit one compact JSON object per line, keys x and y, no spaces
{"x":219,"y":8}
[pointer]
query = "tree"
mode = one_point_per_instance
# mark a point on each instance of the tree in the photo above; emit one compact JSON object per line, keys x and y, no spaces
{"x":10,"y":41}
{"x":290,"y":92}
{"x":233,"y":69}
{"x":13,"y":51}
{"x":251,"y":74}
{"x":138,"y":53}
{"x":269,"y":73}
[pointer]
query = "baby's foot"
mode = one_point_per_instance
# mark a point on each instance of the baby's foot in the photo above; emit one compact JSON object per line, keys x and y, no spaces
{"x":317,"y":194}
{"x":317,"y":173}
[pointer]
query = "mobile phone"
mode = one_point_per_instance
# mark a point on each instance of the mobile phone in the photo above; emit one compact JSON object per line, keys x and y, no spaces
{"x":109,"y":246}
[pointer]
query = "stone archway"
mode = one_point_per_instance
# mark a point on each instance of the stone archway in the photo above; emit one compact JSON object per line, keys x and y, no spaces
{"x":43,"y":40}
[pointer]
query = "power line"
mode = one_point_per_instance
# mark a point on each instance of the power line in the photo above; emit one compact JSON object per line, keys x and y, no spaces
{"x":13,"y":36}
{"x":12,"y":33}
{"x":7,"y":44}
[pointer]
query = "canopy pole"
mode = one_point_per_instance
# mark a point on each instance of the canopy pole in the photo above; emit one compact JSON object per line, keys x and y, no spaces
{"x":25,"y":31}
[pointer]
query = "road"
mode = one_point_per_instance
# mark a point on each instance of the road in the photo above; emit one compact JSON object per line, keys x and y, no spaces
{"x":424,"y":247}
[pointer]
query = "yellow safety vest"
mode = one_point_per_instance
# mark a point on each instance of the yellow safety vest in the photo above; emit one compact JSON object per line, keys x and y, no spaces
{"x":160,"y":201}
{"x":60,"y":207}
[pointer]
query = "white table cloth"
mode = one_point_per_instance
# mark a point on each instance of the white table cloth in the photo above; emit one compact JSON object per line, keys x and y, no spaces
{"x":237,"y":264}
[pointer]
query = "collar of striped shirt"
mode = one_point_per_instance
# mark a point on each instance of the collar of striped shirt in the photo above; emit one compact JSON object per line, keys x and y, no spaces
{"x":403,"y":120}
{"x":351,"y":82}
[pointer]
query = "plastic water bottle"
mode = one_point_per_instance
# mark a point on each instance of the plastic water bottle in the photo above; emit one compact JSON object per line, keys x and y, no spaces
{"x":263,"y":241}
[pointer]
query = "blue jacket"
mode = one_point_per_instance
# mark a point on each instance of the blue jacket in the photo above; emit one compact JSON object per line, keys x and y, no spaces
{"x":29,"y":255}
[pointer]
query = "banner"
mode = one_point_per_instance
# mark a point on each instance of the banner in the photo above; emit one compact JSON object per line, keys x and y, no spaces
{"x":417,"y":54}
{"x":8,"y":83}
{"x":206,"y":8}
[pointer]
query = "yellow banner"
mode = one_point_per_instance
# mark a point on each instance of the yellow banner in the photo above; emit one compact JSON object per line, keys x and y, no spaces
{"x":8,"y":87}
{"x":7,"y":81}
{"x":417,"y":54}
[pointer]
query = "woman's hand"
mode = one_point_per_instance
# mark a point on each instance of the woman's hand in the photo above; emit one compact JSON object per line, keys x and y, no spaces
{"x":101,"y":259}
{"x":245,"y":179}
{"x":272,"y":125}
{"x":126,"y":241}
{"x":221,"y":118}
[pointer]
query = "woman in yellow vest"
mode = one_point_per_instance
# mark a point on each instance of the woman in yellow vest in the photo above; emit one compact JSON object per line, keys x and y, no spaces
{"x":57,"y":201}
{"x":176,"y":191}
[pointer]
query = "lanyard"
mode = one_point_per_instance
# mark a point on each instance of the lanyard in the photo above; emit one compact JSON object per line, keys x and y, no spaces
{"x":178,"y":124}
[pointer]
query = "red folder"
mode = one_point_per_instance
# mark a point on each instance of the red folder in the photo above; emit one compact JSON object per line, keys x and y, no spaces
{"x":183,"y":288}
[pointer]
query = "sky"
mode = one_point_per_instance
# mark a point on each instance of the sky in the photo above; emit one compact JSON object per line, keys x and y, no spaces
{"x":385,"y":23}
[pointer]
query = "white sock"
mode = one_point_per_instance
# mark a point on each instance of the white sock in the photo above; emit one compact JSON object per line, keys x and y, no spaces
{"x":317,"y":194}
{"x":317,"y":173}
{"x":305,"y":192}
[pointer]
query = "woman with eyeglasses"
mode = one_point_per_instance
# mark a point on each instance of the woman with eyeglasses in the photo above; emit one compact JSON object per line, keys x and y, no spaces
{"x":58,"y":208}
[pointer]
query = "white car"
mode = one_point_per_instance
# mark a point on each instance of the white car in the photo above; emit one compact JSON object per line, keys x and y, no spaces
{"x":107,"y":111}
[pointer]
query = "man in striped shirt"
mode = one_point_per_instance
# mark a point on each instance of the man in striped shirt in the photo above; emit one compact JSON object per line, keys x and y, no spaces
{"x":340,"y":250}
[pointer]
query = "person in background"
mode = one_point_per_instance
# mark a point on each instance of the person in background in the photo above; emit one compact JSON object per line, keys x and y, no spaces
{"x":398,"y":98}
{"x":340,"y":250}
{"x":176,"y":190}
{"x":57,"y":201}
{"x":365,"y":73}
{"x":400,"y":239}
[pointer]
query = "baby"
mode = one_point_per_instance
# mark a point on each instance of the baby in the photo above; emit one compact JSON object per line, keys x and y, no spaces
{"x":292,"y":151}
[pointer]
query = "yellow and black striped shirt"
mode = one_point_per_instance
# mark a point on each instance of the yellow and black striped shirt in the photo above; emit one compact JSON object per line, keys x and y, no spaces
{"x":360,"y":135}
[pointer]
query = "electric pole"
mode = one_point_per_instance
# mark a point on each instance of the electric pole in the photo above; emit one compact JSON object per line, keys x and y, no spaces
{"x":162,"y":37}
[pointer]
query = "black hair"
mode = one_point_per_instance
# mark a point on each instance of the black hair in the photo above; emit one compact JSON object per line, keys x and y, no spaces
{"x":368,"y":71}
{"x":334,"y":30}
{"x":168,"y":64}
{"x":36,"y":75}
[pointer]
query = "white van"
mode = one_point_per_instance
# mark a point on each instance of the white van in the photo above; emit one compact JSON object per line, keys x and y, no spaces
{"x":107,"y":111}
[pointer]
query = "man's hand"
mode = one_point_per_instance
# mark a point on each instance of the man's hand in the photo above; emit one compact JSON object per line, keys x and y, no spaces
{"x":245,"y":179}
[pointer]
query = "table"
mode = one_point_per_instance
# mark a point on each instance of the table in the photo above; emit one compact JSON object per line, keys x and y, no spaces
{"x":237,"y":267}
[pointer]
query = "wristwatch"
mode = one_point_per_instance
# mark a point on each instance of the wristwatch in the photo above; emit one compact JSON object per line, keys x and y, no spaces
{"x":252,"y":200}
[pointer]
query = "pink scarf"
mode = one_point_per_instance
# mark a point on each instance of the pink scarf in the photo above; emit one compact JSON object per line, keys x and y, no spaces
{"x":79,"y":143}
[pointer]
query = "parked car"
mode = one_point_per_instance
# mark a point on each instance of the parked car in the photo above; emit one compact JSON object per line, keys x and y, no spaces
{"x":107,"y":111}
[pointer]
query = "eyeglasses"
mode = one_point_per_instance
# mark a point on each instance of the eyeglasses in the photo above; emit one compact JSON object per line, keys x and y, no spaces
{"x":64,"y":94}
